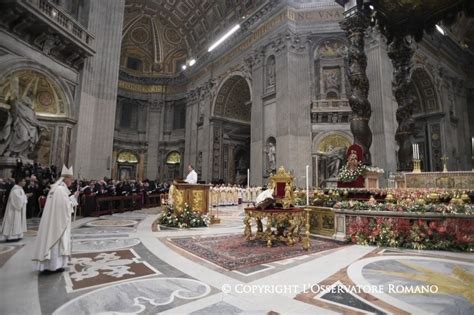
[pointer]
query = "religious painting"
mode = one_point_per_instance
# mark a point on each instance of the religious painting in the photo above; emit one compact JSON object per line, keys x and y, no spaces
{"x":331,"y":49}
{"x":126,"y":172}
{"x":332,"y":80}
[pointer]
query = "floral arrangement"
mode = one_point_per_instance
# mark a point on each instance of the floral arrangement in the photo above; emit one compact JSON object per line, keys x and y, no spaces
{"x":374,"y":169}
{"x":347,"y":174}
{"x":452,"y":234}
{"x":405,"y":206}
{"x":185,"y":219}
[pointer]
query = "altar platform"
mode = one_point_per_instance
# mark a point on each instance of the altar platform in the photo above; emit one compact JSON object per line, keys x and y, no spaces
{"x":280,"y":224}
{"x":457,"y":180}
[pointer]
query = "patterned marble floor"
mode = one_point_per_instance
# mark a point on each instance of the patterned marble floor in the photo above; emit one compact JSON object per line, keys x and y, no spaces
{"x":120,"y":266}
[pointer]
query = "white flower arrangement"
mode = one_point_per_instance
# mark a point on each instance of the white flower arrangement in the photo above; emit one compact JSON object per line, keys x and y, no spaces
{"x":349,"y":175}
{"x":375,"y":169}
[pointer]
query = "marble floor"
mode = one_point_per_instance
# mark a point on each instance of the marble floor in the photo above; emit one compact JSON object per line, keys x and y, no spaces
{"x":121,"y":266}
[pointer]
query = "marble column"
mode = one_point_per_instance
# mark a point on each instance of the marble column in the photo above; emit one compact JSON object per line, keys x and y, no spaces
{"x":153,"y":135}
{"x":98,"y":91}
{"x":401,"y":51}
{"x":355,"y":26}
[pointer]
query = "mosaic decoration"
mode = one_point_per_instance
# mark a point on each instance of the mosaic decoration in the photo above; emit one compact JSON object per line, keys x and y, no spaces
{"x":103,"y":244}
{"x":146,"y":296}
{"x":88,"y":270}
{"x":112,"y":223}
{"x":127,"y":157}
{"x":173,"y":158}
{"x":45,"y":95}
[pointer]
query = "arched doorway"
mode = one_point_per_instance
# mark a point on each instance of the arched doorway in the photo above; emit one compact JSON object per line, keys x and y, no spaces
{"x":172,"y":166}
{"x":127,"y":165}
{"x":427,"y":114}
{"x":231,"y":131}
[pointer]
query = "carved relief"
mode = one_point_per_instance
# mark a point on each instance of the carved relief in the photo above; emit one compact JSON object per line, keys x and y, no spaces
{"x":270,"y":155}
{"x":331,"y":49}
{"x":270,"y":73}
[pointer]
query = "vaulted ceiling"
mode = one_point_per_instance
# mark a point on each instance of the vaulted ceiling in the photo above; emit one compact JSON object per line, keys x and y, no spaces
{"x":163,"y":33}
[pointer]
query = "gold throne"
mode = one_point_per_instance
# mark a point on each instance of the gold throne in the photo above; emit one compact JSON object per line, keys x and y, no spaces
{"x":282,"y":185}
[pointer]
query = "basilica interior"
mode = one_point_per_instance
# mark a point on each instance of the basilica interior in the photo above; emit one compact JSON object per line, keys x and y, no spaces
{"x":237,"y":157}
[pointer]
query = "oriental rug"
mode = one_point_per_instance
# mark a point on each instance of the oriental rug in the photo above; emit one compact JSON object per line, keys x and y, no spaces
{"x":234,"y":252}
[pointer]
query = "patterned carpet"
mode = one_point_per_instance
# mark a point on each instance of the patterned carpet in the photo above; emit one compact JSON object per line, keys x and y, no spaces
{"x":234,"y":252}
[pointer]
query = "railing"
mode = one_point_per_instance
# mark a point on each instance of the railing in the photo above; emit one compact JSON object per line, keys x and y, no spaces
{"x":64,"y":20}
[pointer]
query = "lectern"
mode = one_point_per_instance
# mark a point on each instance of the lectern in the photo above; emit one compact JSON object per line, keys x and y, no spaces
{"x":195,"y":195}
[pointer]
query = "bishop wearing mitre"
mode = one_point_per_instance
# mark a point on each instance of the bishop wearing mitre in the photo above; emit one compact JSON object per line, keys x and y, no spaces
{"x":53,"y":243}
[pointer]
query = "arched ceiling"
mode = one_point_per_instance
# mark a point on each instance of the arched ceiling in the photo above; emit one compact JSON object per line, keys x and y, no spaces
{"x":164,"y":32}
{"x":233,"y":100}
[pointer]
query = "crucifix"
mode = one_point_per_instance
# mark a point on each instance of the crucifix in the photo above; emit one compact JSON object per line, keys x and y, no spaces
{"x":445,"y":168}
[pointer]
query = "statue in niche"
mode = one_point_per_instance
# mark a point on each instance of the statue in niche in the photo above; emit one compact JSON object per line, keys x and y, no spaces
{"x":271,"y":157}
{"x":271,"y":71}
{"x":22,"y":131}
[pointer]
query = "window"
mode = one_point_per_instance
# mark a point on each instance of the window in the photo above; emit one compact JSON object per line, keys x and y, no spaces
{"x":134,"y":63}
{"x":179,"y":116}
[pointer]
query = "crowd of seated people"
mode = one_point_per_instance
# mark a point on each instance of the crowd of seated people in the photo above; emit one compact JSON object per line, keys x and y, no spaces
{"x":39,"y":179}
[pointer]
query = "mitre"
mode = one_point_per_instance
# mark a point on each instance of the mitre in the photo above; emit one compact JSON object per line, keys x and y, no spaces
{"x":66,"y":171}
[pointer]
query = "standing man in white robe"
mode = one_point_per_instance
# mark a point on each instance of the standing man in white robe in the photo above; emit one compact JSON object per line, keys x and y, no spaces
{"x":192,"y":177}
{"x":53,"y":243}
{"x":14,"y":221}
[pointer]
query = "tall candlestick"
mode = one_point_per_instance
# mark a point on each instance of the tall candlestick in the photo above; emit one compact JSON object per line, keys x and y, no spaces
{"x":307,"y":185}
{"x":248,"y":177}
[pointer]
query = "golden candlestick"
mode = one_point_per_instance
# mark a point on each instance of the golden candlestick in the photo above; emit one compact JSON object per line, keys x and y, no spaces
{"x":445,"y":167}
{"x":416,"y":166}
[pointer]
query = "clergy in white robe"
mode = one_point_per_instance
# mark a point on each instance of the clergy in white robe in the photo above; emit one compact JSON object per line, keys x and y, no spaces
{"x":14,"y":220}
{"x":53,"y":243}
{"x":192,"y":177}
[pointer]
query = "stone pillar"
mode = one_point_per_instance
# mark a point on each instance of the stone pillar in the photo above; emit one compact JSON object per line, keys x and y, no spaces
{"x":257,"y":121}
{"x":355,"y":26}
{"x":154,"y":117}
{"x":400,"y":51}
{"x":98,"y":94}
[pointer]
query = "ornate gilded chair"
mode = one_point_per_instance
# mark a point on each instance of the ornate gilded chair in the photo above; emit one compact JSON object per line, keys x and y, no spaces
{"x":282,"y":185}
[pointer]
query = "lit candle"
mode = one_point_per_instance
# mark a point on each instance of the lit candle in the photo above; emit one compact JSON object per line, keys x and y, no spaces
{"x":414,"y":151}
{"x":307,"y":185}
{"x":417,"y":152}
{"x":248,"y":177}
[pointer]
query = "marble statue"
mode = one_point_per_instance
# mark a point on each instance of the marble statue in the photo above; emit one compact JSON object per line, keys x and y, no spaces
{"x":334,"y":160}
{"x":22,"y":131}
{"x":271,"y":156}
{"x":271,"y":72}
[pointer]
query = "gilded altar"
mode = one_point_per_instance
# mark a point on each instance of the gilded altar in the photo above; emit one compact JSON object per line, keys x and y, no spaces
{"x":285,"y":225}
{"x":455,"y":180}
{"x":196,"y":196}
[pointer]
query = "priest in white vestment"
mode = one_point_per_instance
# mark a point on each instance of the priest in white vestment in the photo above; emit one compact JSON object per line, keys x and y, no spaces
{"x":53,"y":243}
{"x":192,"y":177}
{"x":14,"y":220}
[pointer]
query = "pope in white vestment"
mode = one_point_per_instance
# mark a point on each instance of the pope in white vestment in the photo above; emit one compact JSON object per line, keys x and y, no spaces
{"x":192,"y":177}
{"x":14,"y":220}
{"x":53,"y":243}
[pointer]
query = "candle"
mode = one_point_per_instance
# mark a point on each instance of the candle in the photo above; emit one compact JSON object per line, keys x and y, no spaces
{"x":414,"y":151}
{"x":248,"y":178}
{"x":417,"y":151}
{"x":307,"y":185}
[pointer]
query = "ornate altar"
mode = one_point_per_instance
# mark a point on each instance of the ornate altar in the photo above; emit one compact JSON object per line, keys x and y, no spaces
{"x":457,"y":180}
{"x":196,"y":196}
{"x":280,"y":224}
{"x":282,"y":185}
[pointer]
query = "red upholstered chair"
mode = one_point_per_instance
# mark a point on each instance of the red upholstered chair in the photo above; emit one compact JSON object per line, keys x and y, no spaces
{"x":358,"y":182}
{"x":278,"y":183}
{"x":42,"y":203}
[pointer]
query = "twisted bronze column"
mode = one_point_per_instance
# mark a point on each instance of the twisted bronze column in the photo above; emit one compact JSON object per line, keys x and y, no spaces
{"x":355,"y":26}
{"x":401,"y":51}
